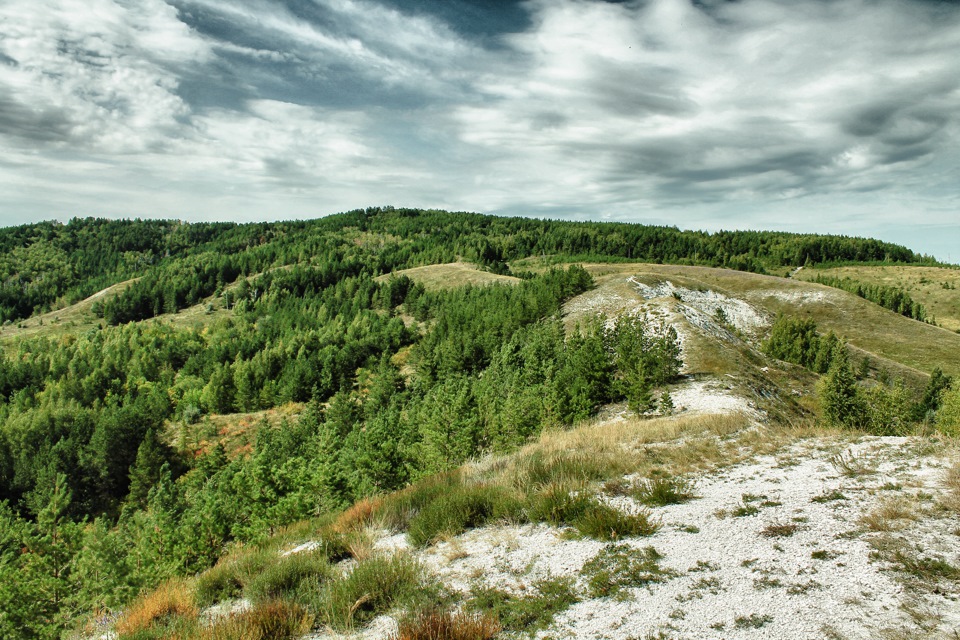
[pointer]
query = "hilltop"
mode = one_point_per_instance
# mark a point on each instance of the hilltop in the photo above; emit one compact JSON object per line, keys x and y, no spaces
{"x":234,"y":424}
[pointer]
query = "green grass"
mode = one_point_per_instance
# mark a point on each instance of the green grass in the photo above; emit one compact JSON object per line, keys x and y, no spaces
{"x":463,"y":507}
{"x":660,"y":492}
{"x":436,"y":277}
{"x":288,"y":575}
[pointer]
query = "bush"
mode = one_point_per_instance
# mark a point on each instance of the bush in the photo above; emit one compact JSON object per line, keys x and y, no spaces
{"x":659,"y":492}
{"x":558,"y":504}
{"x":228,"y":577}
{"x":465,"y":507}
{"x":171,"y":604}
{"x":604,"y":522}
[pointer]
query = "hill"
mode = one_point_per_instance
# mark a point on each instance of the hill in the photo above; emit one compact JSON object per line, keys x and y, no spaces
{"x":273,"y":375}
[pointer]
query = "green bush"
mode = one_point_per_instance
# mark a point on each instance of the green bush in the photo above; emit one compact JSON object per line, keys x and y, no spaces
{"x":659,"y":492}
{"x":558,"y":504}
{"x":228,"y":577}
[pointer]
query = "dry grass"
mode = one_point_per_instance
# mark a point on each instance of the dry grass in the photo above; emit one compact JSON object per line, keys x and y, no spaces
{"x":274,"y":620}
{"x":362,"y":515}
{"x":448,"y":276}
{"x":951,"y":481}
{"x":892,"y":514}
{"x":447,"y":625}
{"x":173,"y":599}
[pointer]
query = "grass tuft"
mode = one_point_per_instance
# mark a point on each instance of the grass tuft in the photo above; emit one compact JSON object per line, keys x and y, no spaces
{"x":162,"y":607}
{"x":447,"y":625}
{"x":286,"y":575}
{"x":604,"y":522}
{"x":660,"y":492}
{"x":271,"y":620}
{"x":464,"y":507}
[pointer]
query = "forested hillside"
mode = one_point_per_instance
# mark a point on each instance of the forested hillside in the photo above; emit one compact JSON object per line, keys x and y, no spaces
{"x":104,"y":489}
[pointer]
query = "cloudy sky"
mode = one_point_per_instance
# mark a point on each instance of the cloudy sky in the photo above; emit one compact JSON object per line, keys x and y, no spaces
{"x":839,"y":116}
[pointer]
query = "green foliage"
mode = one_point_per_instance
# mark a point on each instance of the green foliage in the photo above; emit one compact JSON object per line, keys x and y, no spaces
{"x":527,"y":613}
{"x":796,"y":340}
{"x":660,"y":491}
{"x":620,"y":566}
{"x":288,"y":575}
{"x":603,"y":522}
{"x":466,"y":507}
{"x":373,"y":587}
{"x":840,"y":401}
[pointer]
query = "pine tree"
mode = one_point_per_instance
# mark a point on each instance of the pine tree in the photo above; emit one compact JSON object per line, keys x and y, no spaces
{"x":840,"y":399}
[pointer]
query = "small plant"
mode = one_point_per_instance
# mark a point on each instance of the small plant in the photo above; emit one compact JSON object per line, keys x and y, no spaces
{"x":745,"y":510}
{"x":851,"y":465}
{"x":658,"y":492}
{"x":621,"y":566}
{"x":828,"y":496}
{"x":800,"y":588}
{"x":820,"y":554}
{"x":527,"y":613}
{"x":777,"y":530}
{"x":766,"y":582}
{"x":374,"y":586}
{"x":604,"y":522}
{"x":285,"y":576}
{"x":435,"y":624}
{"x":752,"y":621}
{"x":464,"y":507}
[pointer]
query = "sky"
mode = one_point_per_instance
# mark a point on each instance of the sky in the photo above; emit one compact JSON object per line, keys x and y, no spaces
{"x":828,"y":116}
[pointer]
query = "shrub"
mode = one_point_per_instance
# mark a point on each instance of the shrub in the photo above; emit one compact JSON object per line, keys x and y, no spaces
{"x":604,"y":522}
{"x":228,"y":577}
{"x":558,"y":504}
{"x":433,"y":624}
{"x":400,"y":508}
{"x":464,"y":507}
{"x":621,"y":566}
{"x":528,"y":612}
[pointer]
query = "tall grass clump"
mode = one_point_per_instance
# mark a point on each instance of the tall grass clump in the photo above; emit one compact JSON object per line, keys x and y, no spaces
{"x":398,"y":509}
{"x":158,"y":613}
{"x":464,"y":507}
{"x":660,"y":492}
{"x":604,"y":522}
{"x":286,"y":575}
{"x":434,"y":624}
{"x":229,"y":576}
{"x":373,"y":587}
{"x":620,"y":566}
{"x":271,"y":620}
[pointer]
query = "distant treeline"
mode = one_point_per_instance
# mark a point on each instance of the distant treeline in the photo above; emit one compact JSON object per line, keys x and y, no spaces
{"x":893,"y":298}
{"x":48,"y":264}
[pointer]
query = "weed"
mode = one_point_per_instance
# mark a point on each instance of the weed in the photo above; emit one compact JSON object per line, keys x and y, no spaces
{"x":828,"y":496}
{"x":925,"y":568}
{"x":704,"y":566}
{"x":822,"y":555}
{"x":764,"y":582}
{"x":658,"y":492}
{"x":604,"y":522}
{"x":889,"y":515}
{"x":777,"y":530}
{"x":803,"y":587}
{"x":753,"y":621}
{"x":435,"y":624}
{"x":688,"y":528}
{"x":529,"y":612}
{"x":745,"y":510}
{"x":558,"y":504}
{"x":851,"y":465}
{"x":227,"y":578}
{"x":621,"y":566}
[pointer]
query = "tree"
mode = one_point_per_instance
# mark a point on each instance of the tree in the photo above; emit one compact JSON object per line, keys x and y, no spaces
{"x":840,"y":399}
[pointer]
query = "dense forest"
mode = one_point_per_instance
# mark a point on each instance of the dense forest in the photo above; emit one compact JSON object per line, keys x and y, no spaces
{"x":103,"y":493}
